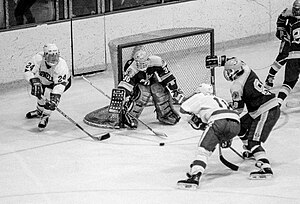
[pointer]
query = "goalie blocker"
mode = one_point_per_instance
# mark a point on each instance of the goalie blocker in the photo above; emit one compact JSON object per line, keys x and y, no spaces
{"x":212,"y":61}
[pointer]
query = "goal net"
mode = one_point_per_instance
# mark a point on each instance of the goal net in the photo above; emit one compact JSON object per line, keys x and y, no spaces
{"x":183,"y":49}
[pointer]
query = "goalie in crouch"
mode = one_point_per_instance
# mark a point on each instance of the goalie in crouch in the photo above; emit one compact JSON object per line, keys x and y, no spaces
{"x":145,"y":76}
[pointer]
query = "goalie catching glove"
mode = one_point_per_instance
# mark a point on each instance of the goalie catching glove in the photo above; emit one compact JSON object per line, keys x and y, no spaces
{"x":36,"y":87}
{"x":197,"y":123}
{"x":212,"y":61}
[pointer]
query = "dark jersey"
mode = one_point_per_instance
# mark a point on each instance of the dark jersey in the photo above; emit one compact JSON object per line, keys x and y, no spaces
{"x":156,"y":72}
{"x":249,"y":90}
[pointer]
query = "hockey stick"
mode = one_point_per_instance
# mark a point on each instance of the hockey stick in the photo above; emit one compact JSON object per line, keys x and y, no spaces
{"x":236,"y":152}
{"x":227,"y":163}
{"x":159,"y":134}
{"x":98,"y":138}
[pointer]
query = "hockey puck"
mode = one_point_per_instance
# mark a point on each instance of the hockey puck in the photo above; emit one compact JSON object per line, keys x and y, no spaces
{"x":162,"y":144}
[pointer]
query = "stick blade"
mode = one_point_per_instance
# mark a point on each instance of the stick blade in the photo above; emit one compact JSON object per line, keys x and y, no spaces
{"x":101,"y":137}
{"x":160,"y":134}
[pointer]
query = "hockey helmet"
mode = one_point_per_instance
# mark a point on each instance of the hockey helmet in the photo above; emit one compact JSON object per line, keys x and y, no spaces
{"x":51,"y":54}
{"x":233,"y":68}
{"x":141,"y":59}
{"x":206,"y":89}
{"x":296,"y":8}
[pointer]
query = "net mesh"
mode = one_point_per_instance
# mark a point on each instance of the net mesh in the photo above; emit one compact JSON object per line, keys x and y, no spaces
{"x":183,"y":49}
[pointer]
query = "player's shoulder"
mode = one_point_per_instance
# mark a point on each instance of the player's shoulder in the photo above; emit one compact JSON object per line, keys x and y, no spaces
{"x":287,"y":12}
{"x":62,"y":66}
{"x":38,"y":56}
{"x":155,"y":60}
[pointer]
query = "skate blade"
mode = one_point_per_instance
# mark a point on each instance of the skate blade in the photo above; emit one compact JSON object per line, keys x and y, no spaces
{"x":184,"y":186}
{"x":41,"y":129}
{"x":260,"y":177}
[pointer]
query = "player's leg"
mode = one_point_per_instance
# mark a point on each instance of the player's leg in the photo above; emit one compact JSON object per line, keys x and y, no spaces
{"x":37,"y":113}
{"x":277,"y":64}
{"x":258,"y":134}
{"x":47,"y":109}
{"x":206,"y":146}
{"x":291,"y":77}
{"x":136,"y":105}
{"x":215,"y":133}
{"x":164,"y":108}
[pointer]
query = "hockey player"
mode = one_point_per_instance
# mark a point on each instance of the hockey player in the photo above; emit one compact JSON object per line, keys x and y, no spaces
{"x":219,"y":122}
{"x":49,"y":77}
{"x":146,"y":76}
{"x":284,"y":22}
{"x":292,"y":67}
{"x":262,"y":106}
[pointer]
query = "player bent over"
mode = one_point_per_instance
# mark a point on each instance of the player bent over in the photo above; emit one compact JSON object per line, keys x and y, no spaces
{"x":219,"y":122}
{"x":49,"y":77}
{"x":148,"y":76}
{"x":262,"y":106}
{"x":285,"y":20}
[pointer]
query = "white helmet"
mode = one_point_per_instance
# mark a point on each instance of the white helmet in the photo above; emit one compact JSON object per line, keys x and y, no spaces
{"x":233,"y":68}
{"x":206,"y":89}
{"x":141,"y":59}
{"x":51,"y":54}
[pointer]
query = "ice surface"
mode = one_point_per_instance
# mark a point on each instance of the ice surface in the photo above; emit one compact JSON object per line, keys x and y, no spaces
{"x":63,"y":165}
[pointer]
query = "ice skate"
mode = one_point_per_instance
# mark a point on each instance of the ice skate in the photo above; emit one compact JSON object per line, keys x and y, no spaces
{"x":43,"y":123}
{"x":265,"y":172}
{"x":191,"y":183}
{"x":34,"y":114}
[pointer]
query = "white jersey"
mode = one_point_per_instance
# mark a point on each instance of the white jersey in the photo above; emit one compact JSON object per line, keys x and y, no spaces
{"x":209,"y":108}
{"x":55,"y":77}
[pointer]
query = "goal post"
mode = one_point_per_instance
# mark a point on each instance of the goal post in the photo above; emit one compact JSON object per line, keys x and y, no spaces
{"x":183,"y":49}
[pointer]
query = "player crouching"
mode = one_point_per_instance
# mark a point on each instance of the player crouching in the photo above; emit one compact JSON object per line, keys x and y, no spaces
{"x":263,"y":110}
{"x":219,"y":124}
{"x":49,"y":77}
{"x":148,"y":76}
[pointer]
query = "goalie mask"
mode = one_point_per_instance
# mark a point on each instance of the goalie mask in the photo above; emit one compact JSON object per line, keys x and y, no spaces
{"x":141,"y":60}
{"x":206,"y":89}
{"x":51,"y":54}
{"x":233,"y":68}
{"x":296,"y":8}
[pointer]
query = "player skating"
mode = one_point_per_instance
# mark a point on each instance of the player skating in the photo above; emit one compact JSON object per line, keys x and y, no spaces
{"x":49,"y":77}
{"x":285,"y":20}
{"x":263,"y":109}
{"x":148,"y":76}
{"x":219,"y":122}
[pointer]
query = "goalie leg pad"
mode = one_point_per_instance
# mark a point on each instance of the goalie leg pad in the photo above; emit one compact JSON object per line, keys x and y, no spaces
{"x":139,"y":101}
{"x":163,"y":105}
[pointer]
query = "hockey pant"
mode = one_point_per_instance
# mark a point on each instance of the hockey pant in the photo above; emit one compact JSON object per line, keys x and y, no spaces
{"x":46,"y":93}
{"x":256,"y":131}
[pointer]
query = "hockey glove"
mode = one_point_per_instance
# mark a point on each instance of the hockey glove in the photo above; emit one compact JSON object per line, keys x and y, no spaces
{"x":177,"y":95}
{"x":197,"y":123}
{"x":226,"y":144}
{"x":282,"y":35}
{"x":36,"y":87}
{"x":212,"y":61}
{"x":54,"y":100}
